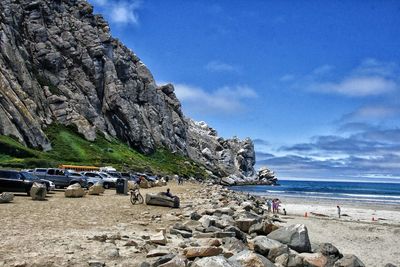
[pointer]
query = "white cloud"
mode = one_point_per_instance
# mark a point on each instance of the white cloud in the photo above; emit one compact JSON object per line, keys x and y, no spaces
{"x":287,"y":78}
{"x":357,"y":86}
{"x":226,"y":99}
{"x":370,"y":78}
{"x":218,"y":66}
{"x":371,"y":113}
{"x":119,"y":12}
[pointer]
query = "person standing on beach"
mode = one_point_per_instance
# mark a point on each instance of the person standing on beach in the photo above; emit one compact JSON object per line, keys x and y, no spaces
{"x":338,"y":210}
{"x":269,"y":205}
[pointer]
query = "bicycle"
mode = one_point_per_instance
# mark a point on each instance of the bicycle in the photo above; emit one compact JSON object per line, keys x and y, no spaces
{"x":136,"y":197}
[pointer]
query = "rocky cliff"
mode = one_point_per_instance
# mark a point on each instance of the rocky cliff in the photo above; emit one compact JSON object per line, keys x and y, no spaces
{"x":60,"y":64}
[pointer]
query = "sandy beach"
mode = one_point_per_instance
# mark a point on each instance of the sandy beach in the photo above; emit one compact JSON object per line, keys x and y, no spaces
{"x":375,"y":242}
{"x":62,"y":231}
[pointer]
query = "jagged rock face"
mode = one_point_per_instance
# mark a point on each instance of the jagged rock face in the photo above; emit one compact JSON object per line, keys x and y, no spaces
{"x":59,"y":63}
{"x":206,"y":147}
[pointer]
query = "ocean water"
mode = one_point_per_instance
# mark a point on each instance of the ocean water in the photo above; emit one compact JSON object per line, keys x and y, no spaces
{"x":378,"y":193}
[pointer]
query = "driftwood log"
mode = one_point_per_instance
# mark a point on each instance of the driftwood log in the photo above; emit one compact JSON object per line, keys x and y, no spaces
{"x":160,"y":199}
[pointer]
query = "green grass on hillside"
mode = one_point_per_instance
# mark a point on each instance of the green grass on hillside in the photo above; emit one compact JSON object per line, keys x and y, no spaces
{"x":69,"y":147}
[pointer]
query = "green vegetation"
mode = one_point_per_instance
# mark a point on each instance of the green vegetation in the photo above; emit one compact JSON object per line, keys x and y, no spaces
{"x":69,"y":147}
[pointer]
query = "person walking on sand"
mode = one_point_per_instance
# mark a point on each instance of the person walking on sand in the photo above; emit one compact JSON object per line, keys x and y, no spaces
{"x":269,"y":205}
{"x":338,"y":210}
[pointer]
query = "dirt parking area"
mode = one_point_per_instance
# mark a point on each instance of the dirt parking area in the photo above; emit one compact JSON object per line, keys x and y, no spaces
{"x":61,"y":231}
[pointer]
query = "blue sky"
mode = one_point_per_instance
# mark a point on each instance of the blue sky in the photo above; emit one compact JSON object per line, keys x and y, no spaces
{"x":316,"y":84}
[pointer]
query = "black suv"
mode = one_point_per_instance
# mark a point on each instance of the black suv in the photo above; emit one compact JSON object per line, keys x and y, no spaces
{"x":15,"y":181}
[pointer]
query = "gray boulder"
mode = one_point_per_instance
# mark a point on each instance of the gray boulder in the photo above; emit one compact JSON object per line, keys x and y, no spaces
{"x":349,"y":261}
{"x":264,"y":245}
{"x":244,"y":224}
{"x":177,"y":261}
{"x":6,"y":197}
{"x":216,"y":261}
{"x":248,"y":258}
{"x":38,"y":191}
{"x":295,"y":236}
{"x":74,"y":190}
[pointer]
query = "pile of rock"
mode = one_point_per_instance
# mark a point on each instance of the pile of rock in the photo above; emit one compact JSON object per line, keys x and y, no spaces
{"x":229,"y":230}
{"x":264,"y":176}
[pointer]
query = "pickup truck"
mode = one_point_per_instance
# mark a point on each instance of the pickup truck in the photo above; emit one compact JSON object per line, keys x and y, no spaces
{"x":61,"y":178}
{"x":16,"y":181}
{"x":93,"y":178}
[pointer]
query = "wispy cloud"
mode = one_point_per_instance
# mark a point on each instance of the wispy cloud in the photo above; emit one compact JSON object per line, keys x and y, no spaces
{"x":226,"y":99}
{"x":371,"y":113}
{"x":119,"y":12}
{"x":261,"y":142}
{"x":218,"y":66}
{"x":357,"y":86}
{"x":370,"y":78}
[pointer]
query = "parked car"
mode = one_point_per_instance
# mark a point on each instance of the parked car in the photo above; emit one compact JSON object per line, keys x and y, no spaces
{"x":147,"y":177}
{"x":108,"y":180}
{"x":16,"y":181}
{"x":61,"y":178}
{"x":93,"y":178}
{"x":50,"y":186}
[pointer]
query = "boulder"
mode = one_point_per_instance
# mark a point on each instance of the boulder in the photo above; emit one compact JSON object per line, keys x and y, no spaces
{"x":289,"y":260}
{"x":314,"y":259}
{"x":159,"y":199}
{"x":184,"y":234}
{"x":233,"y":245}
{"x":144,"y":184}
{"x":207,"y":220}
{"x":295,"y":236}
{"x":331,"y":253}
{"x":239,"y":234}
{"x":264,"y":245}
{"x":74,"y":190}
{"x":157,"y":252}
{"x":177,"y":261}
{"x":195,"y":216}
{"x":159,"y":238}
{"x":6,"y":197}
{"x":349,"y":261}
{"x":182,"y":227}
{"x":247,"y":205}
{"x":224,"y":221}
{"x":208,"y":251}
{"x":263,"y":228}
{"x":38,"y":191}
{"x":96,"y":189}
{"x":216,"y":261}
{"x":244,"y":224}
{"x":163,"y":259}
{"x":248,"y":258}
